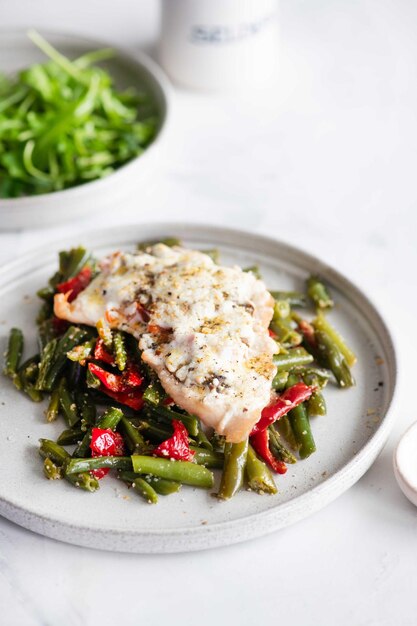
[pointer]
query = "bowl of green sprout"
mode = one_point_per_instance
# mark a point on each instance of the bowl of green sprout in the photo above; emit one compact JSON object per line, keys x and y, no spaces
{"x":81,"y":127}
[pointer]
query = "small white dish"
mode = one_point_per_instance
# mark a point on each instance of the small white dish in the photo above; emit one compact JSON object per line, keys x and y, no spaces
{"x":137,"y":70}
{"x":405,"y":463}
{"x":348,"y":439}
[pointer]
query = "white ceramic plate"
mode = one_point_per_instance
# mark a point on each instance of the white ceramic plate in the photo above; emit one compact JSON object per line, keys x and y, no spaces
{"x":128,"y":70}
{"x":348,"y":438}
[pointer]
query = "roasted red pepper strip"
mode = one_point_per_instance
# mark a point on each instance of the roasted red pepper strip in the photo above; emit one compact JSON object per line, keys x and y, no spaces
{"x":260,"y":442}
{"x":77,"y":284}
{"x":117,"y":382}
{"x":287,"y":400}
{"x":177,"y":446}
{"x":132,"y":398}
{"x":105,"y":442}
{"x":102,"y":354}
{"x":111,"y":381}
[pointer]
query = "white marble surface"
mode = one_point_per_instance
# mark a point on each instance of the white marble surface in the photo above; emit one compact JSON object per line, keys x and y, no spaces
{"x":328,"y":163}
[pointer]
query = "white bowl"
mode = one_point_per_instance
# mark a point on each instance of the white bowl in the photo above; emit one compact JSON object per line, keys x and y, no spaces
{"x":17,"y":52}
{"x":405,"y":463}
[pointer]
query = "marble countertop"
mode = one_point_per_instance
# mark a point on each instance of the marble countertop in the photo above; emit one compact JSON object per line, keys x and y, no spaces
{"x":326,"y":162}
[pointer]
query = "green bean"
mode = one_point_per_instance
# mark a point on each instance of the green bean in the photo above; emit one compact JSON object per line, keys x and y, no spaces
{"x":294,"y":357}
{"x":67,"y":404}
{"x":283,"y":427}
{"x":44,"y":314}
{"x":60,"y":457}
{"x":92,"y":381}
{"x":331,"y":356}
{"x":278,"y":449}
{"x":144,"y":489}
{"x":294,"y":298}
{"x":46,"y":363}
{"x":258,"y":474}
{"x":300,"y":425}
{"x":30,"y":368}
{"x":287,"y":335}
{"x":254,"y":269}
{"x":69,"y":340}
{"x":105,"y":333}
{"x":119,"y":350}
{"x":84,"y":481}
{"x":54,"y":357}
{"x":54,"y":405}
{"x":318,"y":293}
{"x":167,"y":241}
{"x":279,"y":382}
{"x":82,"y":352}
{"x":154,"y":394}
{"x":140,"y":485}
{"x":69,"y":436}
{"x":154,"y":430}
{"x":218,"y":442}
{"x":76,"y":466}
{"x":72,"y":262}
{"x":234,"y":469}
{"x":167,"y":415}
{"x":25,"y":376}
{"x":202,"y":439}
{"x":208,"y":458}
{"x":136,"y":443}
{"x":83,"y":448}
{"x":86,"y":408}
{"x":313,"y":375}
{"x":51,"y":450}
{"x":52,"y":471}
{"x":110,"y":419}
{"x":180,"y":471}
{"x":321,"y":323}
{"x":46,"y":293}
{"x":282,"y":309}
{"x":161,"y":485}
{"x":316,"y":404}
{"x":46,"y":332}
{"x":14,"y":352}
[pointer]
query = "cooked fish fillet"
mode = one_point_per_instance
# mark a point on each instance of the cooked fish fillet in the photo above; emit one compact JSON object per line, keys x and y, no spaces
{"x":202,"y":327}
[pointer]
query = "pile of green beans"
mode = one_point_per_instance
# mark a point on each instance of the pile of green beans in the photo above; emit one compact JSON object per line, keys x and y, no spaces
{"x":310,"y":352}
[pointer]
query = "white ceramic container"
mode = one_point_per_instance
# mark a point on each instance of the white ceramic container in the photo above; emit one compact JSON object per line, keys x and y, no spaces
{"x":219,"y":45}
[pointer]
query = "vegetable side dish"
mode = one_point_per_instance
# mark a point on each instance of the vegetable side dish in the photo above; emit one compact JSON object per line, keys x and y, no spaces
{"x":63,"y":123}
{"x":200,"y":366}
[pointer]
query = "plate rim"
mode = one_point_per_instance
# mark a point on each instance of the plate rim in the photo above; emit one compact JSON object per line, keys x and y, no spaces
{"x":255,"y":524}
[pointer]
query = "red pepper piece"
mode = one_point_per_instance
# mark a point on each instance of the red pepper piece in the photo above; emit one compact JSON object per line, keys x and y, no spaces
{"x":272,"y":334}
{"x":117,"y":382}
{"x":132,"y":376}
{"x":102,"y":354}
{"x":105,"y":442}
{"x":77,"y":284}
{"x":260,"y":442}
{"x":287,"y":400}
{"x":307,"y":331}
{"x":132,"y":398}
{"x":111,"y":381}
{"x":177,"y":446}
{"x":59,"y":326}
